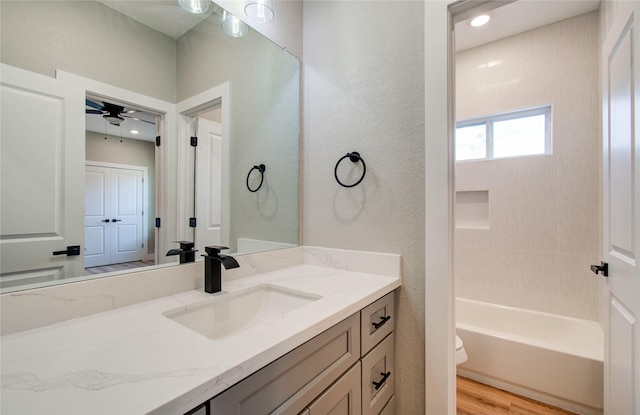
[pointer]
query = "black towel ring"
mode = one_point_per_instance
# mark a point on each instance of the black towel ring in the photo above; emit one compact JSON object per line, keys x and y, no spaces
{"x":354,"y":157}
{"x":261,"y":168}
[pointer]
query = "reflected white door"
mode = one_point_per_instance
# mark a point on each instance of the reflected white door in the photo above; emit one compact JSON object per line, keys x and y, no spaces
{"x":621,"y":207}
{"x":42,"y":180}
{"x":208,"y":184}
{"x":114,"y":215}
{"x":97,"y":220}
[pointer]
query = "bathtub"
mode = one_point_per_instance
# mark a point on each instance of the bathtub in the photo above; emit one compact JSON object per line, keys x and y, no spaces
{"x":547,"y":357}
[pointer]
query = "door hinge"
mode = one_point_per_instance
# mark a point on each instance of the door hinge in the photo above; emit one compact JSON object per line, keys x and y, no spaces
{"x":157,"y":222}
{"x":157,"y":141}
{"x":192,"y":222}
{"x":194,"y":141}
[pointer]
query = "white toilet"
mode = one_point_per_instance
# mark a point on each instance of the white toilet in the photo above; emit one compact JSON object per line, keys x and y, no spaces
{"x":461,"y":354}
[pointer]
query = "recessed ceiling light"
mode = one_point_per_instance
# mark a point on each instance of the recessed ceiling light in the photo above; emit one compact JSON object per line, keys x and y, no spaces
{"x":480,"y":20}
{"x":134,"y":131}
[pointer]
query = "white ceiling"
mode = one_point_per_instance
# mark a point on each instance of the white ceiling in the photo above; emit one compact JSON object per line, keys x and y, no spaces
{"x":164,"y":16}
{"x":518,"y":17}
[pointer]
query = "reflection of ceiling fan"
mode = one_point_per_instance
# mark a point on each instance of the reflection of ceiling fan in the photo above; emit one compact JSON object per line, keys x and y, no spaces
{"x":115,"y":114}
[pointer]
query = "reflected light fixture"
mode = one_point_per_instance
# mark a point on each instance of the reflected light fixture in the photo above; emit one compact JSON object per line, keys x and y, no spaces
{"x":260,"y":11}
{"x":233,"y":26}
{"x":480,"y":20}
{"x":134,"y":132}
{"x":195,"y":6}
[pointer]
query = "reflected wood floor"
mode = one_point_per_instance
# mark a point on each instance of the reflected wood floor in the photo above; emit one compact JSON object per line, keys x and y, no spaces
{"x":475,"y":398}
{"x":117,"y":267}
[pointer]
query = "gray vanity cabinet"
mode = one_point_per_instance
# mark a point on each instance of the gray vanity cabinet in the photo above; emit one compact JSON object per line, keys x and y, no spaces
{"x":346,"y":370}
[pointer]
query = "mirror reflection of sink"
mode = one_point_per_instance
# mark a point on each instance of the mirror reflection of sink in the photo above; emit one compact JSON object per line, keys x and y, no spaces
{"x":228,"y":314}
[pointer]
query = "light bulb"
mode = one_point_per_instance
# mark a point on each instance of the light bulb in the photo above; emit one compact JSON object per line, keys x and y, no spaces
{"x":480,"y":20}
{"x":195,"y":6}
{"x":233,"y":26}
{"x":259,"y":10}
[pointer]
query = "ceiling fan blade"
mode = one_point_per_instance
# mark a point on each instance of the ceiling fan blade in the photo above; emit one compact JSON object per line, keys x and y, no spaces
{"x":93,"y":112}
{"x":137,"y":119}
{"x":95,"y":105}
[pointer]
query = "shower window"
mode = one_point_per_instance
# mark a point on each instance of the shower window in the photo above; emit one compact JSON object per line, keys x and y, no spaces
{"x":512,"y":134}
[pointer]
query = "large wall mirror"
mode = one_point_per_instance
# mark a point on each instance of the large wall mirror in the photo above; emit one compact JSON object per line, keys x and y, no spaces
{"x":100,"y":101}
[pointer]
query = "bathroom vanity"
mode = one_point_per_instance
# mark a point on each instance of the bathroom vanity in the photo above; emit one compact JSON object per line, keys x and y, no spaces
{"x":310,"y":337}
{"x":348,"y":369}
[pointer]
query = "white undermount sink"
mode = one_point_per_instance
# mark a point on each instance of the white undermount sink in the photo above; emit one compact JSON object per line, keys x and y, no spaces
{"x":227,"y":314}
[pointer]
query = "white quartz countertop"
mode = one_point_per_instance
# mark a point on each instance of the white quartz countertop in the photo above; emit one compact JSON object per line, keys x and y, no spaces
{"x":133,"y":360}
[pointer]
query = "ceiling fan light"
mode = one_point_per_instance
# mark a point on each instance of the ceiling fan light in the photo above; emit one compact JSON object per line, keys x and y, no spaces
{"x":113,"y":119}
{"x":195,"y":6}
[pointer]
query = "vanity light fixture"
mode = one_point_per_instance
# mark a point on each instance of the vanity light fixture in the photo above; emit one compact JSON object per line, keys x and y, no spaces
{"x":260,"y":11}
{"x":233,"y":26}
{"x":480,"y":20}
{"x":195,"y":6}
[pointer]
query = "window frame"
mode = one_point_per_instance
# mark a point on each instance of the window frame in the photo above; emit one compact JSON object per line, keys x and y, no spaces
{"x":489,"y":120}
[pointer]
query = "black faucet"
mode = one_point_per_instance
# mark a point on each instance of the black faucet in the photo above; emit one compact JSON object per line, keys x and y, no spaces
{"x":186,"y":252}
{"x":212,"y":270}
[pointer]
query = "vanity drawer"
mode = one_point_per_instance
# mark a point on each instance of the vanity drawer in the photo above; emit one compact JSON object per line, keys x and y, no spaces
{"x":376,"y":322}
{"x":378,"y":377}
{"x":287,"y":385}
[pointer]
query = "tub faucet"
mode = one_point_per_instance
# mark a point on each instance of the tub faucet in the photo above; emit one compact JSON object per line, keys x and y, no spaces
{"x":212,"y":271}
{"x":186,"y":252}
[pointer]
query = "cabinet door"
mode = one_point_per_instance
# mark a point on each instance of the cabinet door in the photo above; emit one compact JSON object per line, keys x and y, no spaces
{"x":378,"y":377}
{"x":341,"y":398}
{"x":389,"y":409}
{"x":286,"y":386}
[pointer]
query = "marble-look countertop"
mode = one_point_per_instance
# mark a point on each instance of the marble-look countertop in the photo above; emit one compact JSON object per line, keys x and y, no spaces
{"x":133,"y":360}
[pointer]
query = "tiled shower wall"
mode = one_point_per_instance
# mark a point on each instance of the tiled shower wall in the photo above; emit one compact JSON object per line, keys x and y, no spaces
{"x":543,"y":214}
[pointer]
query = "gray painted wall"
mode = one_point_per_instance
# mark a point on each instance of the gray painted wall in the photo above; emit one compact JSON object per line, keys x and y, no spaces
{"x":364,"y":91}
{"x":90,"y":40}
{"x":264,"y":125}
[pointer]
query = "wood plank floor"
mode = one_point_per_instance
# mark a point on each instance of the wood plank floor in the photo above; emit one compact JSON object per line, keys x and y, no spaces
{"x":475,"y":398}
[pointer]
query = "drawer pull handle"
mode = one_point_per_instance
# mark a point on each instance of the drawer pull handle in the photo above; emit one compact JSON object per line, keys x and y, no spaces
{"x":385,"y":376}
{"x":381,"y":322}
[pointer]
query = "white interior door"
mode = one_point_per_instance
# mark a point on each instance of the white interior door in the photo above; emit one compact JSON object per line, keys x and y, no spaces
{"x":97,"y":218}
{"x":126,"y":215}
{"x":42,"y":180}
{"x":113,"y":215}
{"x":208,"y":186}
{"x":621,"y":207}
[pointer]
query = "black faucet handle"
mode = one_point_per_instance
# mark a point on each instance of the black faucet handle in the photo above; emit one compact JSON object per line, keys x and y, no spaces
{"x":186,"y":245}
{"x":214,"y":250}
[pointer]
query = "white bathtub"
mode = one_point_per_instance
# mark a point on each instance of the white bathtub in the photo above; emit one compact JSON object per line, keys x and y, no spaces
{"x":547,"y":357}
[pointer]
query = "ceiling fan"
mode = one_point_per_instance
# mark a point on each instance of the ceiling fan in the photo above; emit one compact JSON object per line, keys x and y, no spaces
{"x":113,"y":113}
